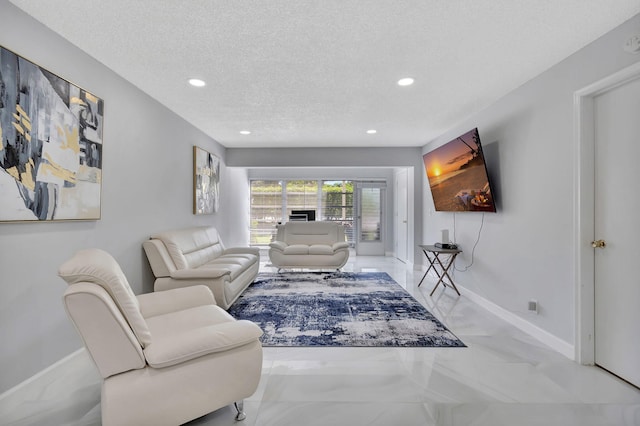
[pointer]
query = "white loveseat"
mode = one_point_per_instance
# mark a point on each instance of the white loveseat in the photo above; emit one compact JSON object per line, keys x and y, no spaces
{"x":313,"y":245}
{"x":197,"y":256}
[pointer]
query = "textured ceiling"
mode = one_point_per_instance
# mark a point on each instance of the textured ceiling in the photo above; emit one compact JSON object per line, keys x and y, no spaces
{"x":321,"y":73}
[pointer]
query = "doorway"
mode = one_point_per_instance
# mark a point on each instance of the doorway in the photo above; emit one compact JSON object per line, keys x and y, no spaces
{"x":607,"y":286}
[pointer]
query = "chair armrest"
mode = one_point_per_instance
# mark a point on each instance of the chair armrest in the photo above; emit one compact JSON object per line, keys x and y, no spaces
{"x":177,"y":299}
{"x":199,"y":273}
{"x":278,"y":245}
{"x":242,"y":250}
{"x":179,"y":348}
{"x":159,"y":258}
{"x":340,"y":245}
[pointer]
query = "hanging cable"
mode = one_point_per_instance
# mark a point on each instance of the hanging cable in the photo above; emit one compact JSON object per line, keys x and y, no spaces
{"x":474,"y":245}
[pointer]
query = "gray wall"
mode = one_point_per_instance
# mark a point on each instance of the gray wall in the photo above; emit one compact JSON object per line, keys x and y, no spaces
{"x":526,"y":249}
{"x":147,"y":187}
{"x":356,"y":159}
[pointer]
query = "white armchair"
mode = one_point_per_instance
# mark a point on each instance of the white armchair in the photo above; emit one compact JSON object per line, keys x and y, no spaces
{"x":166,"y":357}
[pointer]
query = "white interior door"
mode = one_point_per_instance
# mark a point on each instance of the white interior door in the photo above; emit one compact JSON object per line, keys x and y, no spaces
{"x":617,"y":222}
{"x":402,"y":221}
{"x":370,"y":230}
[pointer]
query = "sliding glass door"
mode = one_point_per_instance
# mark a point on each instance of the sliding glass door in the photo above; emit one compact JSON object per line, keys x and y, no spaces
{"x":370,"y":203}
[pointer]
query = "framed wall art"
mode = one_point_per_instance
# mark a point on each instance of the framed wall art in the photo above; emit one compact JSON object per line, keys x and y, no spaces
{"x":51,"y":151}
{"x":206,"y":182}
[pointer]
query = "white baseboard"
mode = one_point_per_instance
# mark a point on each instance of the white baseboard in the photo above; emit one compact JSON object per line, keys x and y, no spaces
{"x":393,"y":254}
{"x":41,"y":373}
{"x":545,"y":337}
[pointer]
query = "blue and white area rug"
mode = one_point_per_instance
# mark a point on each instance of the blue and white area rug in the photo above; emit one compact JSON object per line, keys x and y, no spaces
{"x":339,"y":309}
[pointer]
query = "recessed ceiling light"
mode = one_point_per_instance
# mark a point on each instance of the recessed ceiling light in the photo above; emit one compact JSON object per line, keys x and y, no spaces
{"x":196,"y":82}
{"x":372,"y":131}
{"x":405,"y":81}
{"x":245,"y":132}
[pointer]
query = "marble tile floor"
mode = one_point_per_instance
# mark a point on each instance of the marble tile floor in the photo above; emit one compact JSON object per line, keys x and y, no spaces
{"x":504,"y":377}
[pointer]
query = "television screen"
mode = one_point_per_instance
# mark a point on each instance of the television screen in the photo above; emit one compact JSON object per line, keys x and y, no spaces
{"x":310,"y":214}
{"x":458,"y":177}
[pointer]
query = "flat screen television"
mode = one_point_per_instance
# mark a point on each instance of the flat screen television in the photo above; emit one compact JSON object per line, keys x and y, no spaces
{"x":458,"y":177}
{"x":310,"y":214}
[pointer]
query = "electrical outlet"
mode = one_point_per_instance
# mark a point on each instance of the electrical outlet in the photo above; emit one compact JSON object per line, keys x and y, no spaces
{"x":633,"y":44}
{"x":533,"y":306}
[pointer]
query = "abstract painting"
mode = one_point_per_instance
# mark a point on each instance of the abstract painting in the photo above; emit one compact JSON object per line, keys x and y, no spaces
{"x":206,"y":181}
{"x":51,"y":150}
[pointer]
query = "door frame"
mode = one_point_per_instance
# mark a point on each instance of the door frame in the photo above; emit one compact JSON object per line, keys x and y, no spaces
{"x":584,"y":204}
{"x":401,"y":175}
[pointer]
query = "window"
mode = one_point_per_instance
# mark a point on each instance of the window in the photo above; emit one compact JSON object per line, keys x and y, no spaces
{"x":272,"y":202}
{"x":266,"y":210}
{"x":301,"y":195}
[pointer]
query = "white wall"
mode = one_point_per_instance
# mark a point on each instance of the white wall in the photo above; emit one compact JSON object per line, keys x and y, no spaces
{"x":147,"y":187}
{"x":526,"y":250}
{"x":235,"y":197}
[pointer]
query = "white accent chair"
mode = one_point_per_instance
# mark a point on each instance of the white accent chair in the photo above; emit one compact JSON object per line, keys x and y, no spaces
{"x":166,"y":358}
{"x":311,"y":245}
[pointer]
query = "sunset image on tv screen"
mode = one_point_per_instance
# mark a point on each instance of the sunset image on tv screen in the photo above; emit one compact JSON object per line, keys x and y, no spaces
{"x":458,"y":175}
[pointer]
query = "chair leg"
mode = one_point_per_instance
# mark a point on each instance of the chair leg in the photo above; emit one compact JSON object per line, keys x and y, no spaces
{"x":240,"y":409}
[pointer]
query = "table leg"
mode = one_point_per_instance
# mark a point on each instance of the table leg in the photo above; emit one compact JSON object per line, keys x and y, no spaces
{"x":445,"y":273}
{"x":431,"y":265}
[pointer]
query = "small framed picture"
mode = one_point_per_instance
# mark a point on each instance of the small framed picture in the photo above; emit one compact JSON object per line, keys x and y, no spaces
{"x":206,"y":182}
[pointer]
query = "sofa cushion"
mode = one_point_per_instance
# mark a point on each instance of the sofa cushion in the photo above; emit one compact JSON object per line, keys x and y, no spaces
{"x":173,"y":323}
{"x":320,"y":249}
{"x":238,"y":259}
{"x":192,"y":247}
{"x":233,"y":268}
{"x":191,"y":333}
{"x":296,"y":249}
{"x":311,"y":233}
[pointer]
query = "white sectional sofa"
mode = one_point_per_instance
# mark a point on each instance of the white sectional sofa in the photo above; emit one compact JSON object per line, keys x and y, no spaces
{"x":313,"y":245}
{"x":197,"y":256}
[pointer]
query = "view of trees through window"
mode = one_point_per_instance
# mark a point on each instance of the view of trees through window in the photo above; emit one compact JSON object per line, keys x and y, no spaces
{"x":272,"y":201}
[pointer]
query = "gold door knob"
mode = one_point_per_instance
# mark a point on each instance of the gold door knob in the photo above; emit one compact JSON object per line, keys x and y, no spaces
{"x":599,"y":244}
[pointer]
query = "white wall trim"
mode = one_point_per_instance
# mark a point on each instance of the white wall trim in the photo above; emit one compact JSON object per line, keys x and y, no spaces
{"x":69,"y":358}
{"x":533,"y":330}
{"x":584,"y":200}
